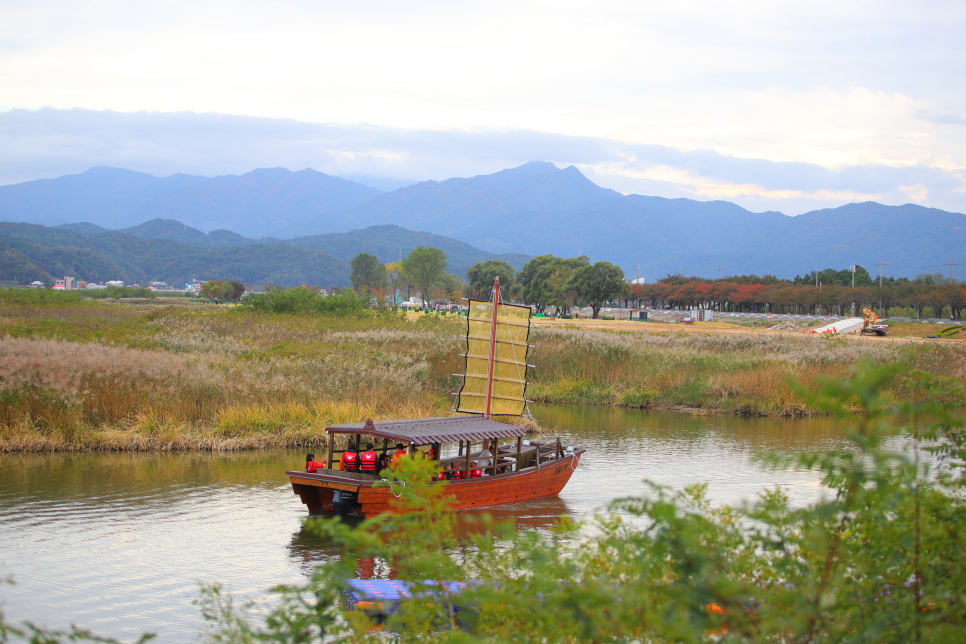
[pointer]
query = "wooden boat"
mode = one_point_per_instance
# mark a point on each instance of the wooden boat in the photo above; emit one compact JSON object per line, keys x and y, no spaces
{"x":494,"y":384}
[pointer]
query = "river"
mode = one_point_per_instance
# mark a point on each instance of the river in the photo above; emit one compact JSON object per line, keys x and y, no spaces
{"x":118,"y":543}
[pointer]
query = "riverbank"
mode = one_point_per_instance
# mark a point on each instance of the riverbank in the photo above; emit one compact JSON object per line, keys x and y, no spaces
{"x":180,"y":376}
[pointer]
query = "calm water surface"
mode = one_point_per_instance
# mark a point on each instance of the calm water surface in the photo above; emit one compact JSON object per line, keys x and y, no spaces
{"x":119,"y":542}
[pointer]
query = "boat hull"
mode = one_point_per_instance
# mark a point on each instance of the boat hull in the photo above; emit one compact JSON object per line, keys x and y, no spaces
{"x":320,"y":492}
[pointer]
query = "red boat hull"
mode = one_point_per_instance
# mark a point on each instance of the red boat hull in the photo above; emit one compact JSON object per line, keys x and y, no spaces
{"x":317,"y":490}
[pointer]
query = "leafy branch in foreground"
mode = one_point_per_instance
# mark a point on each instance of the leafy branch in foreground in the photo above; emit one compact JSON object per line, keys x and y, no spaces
{"x":878,"y":558}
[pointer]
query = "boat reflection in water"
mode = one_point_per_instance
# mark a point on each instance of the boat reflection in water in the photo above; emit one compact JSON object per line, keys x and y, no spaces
{"x":310,"y":549}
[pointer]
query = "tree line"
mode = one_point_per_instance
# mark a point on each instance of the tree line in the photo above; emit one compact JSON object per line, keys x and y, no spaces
{"x":559,"y":285}
{"x":925,"y":294}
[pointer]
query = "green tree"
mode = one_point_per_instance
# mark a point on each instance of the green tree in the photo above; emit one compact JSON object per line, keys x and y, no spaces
{"x":222,"y":291}
{"x":543,"y":281}
{"x":597,"y":284}
{"x":368,"y":273}
{"x":424,"y":268}
{"x":482,"y":274}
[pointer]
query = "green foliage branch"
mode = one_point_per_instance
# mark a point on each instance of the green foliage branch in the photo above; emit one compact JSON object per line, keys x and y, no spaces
{"x":878,"y":560}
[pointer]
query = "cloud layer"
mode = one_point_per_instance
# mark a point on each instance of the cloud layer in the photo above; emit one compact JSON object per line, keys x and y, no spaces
{"x":49,"y":142}
{"x":773,"y":105}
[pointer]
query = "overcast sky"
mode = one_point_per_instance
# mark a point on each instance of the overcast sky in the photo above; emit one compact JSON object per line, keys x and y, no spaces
{"x":784,"y":106}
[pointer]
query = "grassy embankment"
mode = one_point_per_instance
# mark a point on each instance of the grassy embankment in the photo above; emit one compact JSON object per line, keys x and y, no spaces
{"x":76,"y":374}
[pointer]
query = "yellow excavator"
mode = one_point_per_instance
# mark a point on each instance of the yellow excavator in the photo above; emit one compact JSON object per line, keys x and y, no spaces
{"x":870,"y":323}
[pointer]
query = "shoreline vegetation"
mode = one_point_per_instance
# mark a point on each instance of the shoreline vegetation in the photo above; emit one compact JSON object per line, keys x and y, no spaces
{"x":78,"y":375}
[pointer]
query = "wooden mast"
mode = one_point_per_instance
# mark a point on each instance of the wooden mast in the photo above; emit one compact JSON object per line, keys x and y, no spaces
{"x":491,"y":367}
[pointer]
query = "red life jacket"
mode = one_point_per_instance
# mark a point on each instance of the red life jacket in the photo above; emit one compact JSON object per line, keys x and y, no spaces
{"x":457,"y":474}
{"x":476,"y":473}
{"x":350,"y":462}
{"x":442,"y":476}
{"x":311,"y":466}
{"x":369,"y":462}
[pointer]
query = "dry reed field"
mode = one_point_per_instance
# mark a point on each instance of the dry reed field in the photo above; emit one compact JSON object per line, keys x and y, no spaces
{"x":83,"y":375}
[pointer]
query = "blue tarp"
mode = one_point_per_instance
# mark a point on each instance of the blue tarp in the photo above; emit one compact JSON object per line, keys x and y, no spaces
{"x":393,"y":590}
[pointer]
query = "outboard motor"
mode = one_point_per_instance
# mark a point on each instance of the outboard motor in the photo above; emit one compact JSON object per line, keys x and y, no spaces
{"x":344,"y":502}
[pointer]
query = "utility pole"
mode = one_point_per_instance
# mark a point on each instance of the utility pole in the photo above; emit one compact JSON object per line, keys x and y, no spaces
{"x":722,"y":272}
{"x":880,"y":265}
{"x":950,"y":265}
{"x":852,"y":269}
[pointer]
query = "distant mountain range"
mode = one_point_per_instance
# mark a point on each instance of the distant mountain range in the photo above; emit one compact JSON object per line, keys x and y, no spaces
{"x":168,"y":251}
{"x":252,"y":204}
{"x":529,"y":210}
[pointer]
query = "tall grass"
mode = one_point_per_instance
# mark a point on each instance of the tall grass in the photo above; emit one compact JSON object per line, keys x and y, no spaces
{"x":745,"y":374}
{"x":76,"y":374}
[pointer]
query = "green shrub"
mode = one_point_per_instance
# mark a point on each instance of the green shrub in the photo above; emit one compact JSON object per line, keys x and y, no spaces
{"x":38,"y":296}
{"x":308,"y":300}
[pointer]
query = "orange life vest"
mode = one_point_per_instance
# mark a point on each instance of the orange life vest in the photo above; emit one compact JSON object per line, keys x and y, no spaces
{"x":474,"y":473}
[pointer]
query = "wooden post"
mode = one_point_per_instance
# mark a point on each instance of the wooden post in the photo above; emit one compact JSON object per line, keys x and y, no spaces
{"x":491,"y":368}
{"x":460,"y":453}
{"x":559,"y":452}
{"x":519,"y":451}
{"x":328,"y":461}
{"x":496,"y":452}
{"x":468,"y":450}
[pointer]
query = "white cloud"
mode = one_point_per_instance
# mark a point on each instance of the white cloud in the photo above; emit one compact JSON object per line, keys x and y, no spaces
{"x":828,"y":84}
{"x":49,"y":142}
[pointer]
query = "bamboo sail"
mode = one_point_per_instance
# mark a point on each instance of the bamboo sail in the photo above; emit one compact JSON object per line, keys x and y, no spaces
{"x":495,"y":376}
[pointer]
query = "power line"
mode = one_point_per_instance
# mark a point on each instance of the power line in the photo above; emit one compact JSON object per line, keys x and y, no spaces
{"x":930,"y":266}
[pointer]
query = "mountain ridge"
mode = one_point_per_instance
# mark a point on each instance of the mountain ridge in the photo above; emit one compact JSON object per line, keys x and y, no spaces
{"x":169,"y":251}
{"x":537,"y":208}
{"x":119,"y":198}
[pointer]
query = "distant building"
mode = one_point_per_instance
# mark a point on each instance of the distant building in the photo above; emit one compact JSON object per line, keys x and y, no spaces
{"x":114,"y":283}
{"x":66,"y":284}
{"x":37,"y":284}
{"x":91,"y":286}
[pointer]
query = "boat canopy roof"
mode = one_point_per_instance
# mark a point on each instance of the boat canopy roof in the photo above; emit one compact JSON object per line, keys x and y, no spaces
{"x":423,"y":431}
